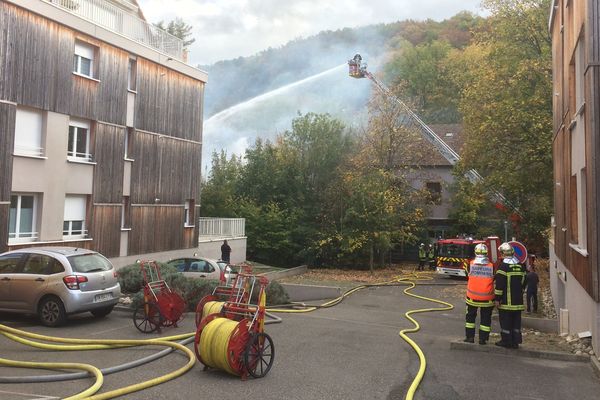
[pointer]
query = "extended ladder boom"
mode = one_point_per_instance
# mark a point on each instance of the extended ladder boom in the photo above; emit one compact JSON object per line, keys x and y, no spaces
{"x":358,"y":69}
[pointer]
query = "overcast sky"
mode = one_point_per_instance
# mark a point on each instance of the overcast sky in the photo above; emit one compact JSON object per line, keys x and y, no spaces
{"x":226,"y":29}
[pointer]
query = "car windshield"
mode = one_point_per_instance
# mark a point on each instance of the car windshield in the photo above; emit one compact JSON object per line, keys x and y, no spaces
{"x":89,"y":263}
{"x":456,"y":250}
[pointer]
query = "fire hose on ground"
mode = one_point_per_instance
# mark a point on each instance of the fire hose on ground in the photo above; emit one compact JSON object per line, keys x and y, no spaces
{"x":223,"y":329}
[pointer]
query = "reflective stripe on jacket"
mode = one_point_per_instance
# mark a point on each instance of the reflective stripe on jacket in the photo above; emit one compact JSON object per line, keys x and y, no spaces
{"x":510,"y":281}
{"x":480,"y":286}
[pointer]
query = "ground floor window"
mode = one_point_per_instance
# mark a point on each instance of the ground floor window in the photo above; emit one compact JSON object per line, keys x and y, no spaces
{"x":74,"y":219}
{"x":22,"y":218}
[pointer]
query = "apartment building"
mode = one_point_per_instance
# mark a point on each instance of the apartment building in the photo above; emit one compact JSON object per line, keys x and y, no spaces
{"x":574,"y":264}
{"x":100,"y":130}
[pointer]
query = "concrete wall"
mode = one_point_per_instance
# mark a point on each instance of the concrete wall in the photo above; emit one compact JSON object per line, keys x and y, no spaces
{"x":208,"y":249}
{"x":568,"y":294}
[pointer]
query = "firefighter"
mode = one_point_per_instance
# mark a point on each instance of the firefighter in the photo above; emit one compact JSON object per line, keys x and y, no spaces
{"x":511,"y":278}
{"x":480,"y":295}
{"x":431,"y":257}
{"x":422,"y":257}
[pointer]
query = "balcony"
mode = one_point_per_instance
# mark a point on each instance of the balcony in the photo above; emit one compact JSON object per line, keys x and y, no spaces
{"x":115,"y":19}
{"x":221,"y":228}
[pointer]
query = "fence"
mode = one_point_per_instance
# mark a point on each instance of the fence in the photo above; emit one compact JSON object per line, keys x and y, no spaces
{"x":222,"y":227}
{"x":120,"y":21}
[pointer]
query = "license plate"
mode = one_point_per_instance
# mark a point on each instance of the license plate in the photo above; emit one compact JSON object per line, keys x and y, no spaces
{"x":103,"y":297}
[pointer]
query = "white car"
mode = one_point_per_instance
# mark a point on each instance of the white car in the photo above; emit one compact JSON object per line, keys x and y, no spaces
{"x":199,"y":267}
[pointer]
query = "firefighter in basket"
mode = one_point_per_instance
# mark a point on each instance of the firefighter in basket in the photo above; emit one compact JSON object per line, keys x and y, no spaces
{"x":480,"y":295}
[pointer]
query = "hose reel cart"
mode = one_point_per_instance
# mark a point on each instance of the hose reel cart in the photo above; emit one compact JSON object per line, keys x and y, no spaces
{"x":162,"y":306}
{"x":233,"y":340}
{"x":238,"y":291}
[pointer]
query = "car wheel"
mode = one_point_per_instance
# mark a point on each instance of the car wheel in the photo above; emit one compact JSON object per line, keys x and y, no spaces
{"x":102,"y":312}
{"x":51,"y":311}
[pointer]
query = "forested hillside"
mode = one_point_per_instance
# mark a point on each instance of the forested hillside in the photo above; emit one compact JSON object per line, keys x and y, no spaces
{"x":330,"y":191}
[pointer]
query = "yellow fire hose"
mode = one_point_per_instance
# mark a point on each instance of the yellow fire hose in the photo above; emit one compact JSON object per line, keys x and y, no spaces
{"x":215,"y":355}
{"x":402,"y":280}
{"x":85,"y":344}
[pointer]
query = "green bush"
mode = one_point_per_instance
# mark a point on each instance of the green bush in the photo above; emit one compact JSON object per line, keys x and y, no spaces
{"x":131,"y":278}
{"x":276,"y":294}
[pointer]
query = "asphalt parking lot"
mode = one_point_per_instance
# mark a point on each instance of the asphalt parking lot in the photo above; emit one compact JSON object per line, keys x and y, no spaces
{"x":351,"y":351}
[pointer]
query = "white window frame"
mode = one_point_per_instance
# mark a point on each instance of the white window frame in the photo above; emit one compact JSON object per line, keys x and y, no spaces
{"x":188,"y":214}
{"x":80,"y":127}
{"x":69,"y":218}
{"x":18,"y":236}
{"x":29,"y":125}
{"x":84,"y":51}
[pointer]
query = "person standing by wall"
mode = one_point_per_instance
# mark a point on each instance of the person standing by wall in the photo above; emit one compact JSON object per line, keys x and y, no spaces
{"x":532,"y":287}
{"x":480,"y":295}
{"x":511,"y":279}
{"x":225,"y":252}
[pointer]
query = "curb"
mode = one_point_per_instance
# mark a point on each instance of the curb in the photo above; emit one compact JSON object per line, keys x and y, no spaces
{"x":521,"y":352}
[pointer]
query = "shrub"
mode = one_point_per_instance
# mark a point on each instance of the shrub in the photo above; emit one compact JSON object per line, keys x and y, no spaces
{"x":276,"y":294}
{"x":131,"y":278}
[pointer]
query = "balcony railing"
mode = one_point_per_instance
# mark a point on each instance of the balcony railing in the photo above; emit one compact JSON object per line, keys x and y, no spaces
{"x":119,"y":21}
{"x":222,"y":227}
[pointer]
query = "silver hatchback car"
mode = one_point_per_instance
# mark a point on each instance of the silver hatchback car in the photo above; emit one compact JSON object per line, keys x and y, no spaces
{"x":53,"y":282}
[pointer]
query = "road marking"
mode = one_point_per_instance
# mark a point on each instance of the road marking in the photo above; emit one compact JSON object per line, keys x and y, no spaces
{"x":38,"y":396}
{"x":110,"y":330}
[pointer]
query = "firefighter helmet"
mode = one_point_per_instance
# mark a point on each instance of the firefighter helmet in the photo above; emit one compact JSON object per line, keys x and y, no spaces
{"x":481,"y":250}
{"x":506,"y":250}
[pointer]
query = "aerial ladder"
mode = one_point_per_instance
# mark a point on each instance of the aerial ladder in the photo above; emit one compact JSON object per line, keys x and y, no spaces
{"x":410,"y":120}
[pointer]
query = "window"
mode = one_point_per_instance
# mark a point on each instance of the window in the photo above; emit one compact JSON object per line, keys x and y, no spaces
{"x":22,"y":219}
{"x":125,"y":213}
{"x":74,"y":219}
{"x":435,"y":192}
{"x":28,"y":132}
{"x":132,"y":74}
{"x":128,"y":139}
{"x":78,"y":147}
{"x":9,"y":263}
{"x":189,"y":213}
{"x":579,"y":74}
{"x":39,"y":264}
{"x":83,"y":60}
{"x":573,"y":227}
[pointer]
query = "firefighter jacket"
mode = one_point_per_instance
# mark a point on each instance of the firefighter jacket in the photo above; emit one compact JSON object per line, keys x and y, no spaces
{"x":511,"y":278}
{"x":480,"y":286}
{"x":430,"y":255}
{"x":422,"y":254}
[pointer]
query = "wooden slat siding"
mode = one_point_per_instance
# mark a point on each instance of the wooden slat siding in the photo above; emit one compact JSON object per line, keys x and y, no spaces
{"x":168,"y":102}
{"x":188,"y":238}
{"x":559,"y":198}
{"x":7,"y":140}
{"x":109,"y":151}
{"x":145,"y":171}
{"x":36,"y":60}
{"x":593,"y":144}
{"x":36,"y":66}
{"x":4,"y":212}
{"x":180,"y":170}
{"x":155,"y":228}
{"x":105,"y":229}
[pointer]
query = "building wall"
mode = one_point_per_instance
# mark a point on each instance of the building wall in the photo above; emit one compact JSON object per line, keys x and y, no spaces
{"x":161,"y":120}
{"x":574,"y":28}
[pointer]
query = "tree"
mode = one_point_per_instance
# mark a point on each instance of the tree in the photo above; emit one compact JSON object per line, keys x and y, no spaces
{"x":178,"y":28}
{"x":218,"y":192}
{"x":506,"y":103}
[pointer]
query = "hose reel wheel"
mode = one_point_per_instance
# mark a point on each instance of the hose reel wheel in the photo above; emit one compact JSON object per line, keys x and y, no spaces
{"x":259,"y":355}
{"x":147,"y":318}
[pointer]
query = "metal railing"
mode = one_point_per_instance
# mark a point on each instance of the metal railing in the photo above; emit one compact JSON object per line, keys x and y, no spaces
{"x":222,"y":227}
{"x":120,"y":21}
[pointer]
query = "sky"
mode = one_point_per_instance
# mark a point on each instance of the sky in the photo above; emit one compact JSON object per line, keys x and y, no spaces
{"x":226,"y":29}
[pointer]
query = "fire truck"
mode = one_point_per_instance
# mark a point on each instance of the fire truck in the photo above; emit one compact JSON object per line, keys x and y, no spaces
{"x":453,"y":255}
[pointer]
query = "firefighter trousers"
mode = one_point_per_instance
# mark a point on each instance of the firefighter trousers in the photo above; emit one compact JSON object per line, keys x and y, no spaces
{"x":485,"y":323}
{"x":510,"y":327}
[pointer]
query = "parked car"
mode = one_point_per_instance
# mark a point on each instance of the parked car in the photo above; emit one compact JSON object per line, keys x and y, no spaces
{"x":53,"y":282}
{"x":200,"y":267}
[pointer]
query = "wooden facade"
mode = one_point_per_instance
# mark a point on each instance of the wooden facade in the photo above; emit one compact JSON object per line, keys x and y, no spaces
{"x":577,"y":23}
{"x":36,"y":70}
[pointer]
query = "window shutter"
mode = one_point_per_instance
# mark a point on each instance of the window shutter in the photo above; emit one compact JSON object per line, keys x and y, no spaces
{"x":75,"y":208}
